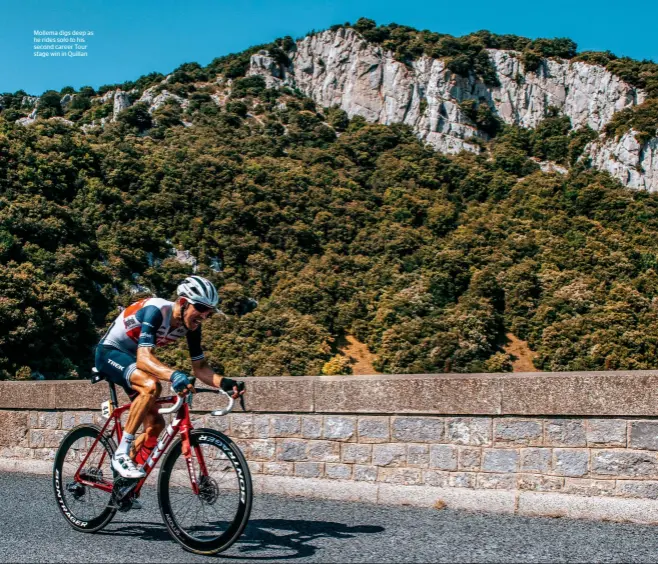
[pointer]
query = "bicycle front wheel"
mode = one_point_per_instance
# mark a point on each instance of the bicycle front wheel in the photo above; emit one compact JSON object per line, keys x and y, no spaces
{"x":211,"y":520}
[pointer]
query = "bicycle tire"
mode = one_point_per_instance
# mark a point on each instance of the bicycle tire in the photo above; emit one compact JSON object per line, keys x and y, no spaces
{"x":243,"y":493}
{"x":60,"y":486}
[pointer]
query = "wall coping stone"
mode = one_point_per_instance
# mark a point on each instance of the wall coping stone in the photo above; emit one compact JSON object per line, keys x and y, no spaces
{"x":615,"y":393}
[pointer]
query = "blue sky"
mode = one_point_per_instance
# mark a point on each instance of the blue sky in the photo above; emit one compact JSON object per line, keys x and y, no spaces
{"x":137,"y":37}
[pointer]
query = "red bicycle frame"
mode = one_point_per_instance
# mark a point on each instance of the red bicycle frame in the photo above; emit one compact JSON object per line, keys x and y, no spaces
{"x":180,"y":423}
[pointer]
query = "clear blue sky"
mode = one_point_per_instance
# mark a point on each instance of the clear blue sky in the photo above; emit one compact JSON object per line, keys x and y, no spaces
{"x":141,"y":36}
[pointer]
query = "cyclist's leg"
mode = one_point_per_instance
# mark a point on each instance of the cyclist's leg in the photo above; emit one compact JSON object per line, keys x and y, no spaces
{"x":118,"y":367}
{"x":148,"y":389}
{"x":154,"y":423}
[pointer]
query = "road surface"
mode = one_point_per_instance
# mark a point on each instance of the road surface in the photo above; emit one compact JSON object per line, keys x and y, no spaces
{"x":301,"y":530}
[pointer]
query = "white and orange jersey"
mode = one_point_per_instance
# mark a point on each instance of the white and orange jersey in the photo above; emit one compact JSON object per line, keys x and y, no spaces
{"x":147,"y":323}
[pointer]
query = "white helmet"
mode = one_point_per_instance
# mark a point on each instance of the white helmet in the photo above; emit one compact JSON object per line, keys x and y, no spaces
{"x":198,"y":290}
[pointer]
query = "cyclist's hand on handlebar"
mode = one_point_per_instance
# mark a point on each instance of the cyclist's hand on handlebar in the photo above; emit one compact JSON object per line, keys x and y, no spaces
{"x":232,"y":387}
{"x":182,"y":383}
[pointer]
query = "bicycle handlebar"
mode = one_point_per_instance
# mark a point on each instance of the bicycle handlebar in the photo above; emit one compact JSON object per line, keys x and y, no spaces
{"x":228,"y":408}
{"x":174,"y":407}
{"x":217,"y":412}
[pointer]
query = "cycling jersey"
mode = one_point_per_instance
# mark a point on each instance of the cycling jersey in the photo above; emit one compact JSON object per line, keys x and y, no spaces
{"x":147,"y":323}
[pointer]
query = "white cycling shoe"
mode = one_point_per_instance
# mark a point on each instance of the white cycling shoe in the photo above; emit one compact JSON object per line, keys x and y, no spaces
{"x":126,"y":468}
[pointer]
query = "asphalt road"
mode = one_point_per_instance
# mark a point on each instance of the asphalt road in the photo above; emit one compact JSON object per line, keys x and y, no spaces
{"x":300,"y":530}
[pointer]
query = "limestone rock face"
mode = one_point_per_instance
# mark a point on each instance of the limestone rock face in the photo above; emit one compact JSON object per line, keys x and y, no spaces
{"x":156,"y":100}
{"x":65,"y":102}
{"x":341,"y":68}
{"x":121,"y":102}
{"x":635,"y":165}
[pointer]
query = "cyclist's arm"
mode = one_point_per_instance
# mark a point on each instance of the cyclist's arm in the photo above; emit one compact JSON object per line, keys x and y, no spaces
{"x":147,"y":362}
{"x":200,"y":367}
{"x":151,"y":319}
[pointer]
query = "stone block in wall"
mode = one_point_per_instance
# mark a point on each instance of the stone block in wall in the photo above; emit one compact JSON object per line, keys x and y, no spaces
{"x":198,"y":420}
{"x":44,"y":453}
{"x":258,"y":449}
{"x":352,"y":453}
{"x":87,"y":418}
{"x":443,"y":457}
{"x":13,"y":428}
{"x":500,"y":459}
{"x":242,"y":425}
{"x":365,"y":473}
{"x":492,"y":481}
{"x":470,"y":458}
{"x":475,"y":431}
{"x":625,"y":463}
{"x":418,"y":429}
{"x":339,"y":428}
{"x":539,"y":483}
{"x":606,"y":432}
{"x":374,"y":430}
{"x":53,"y":437}
{"x":33,"y":419}
{"x":389,"y":455}
{"x":37,"y":438}
{"x":49,"y":420}
{"x":285,"y":425}
{"x":255,"y":467}
{"x":309,"y":469}
{"x":436,"y":478}
{"x":565,"y":432}
{"x":262,"y":427}
{"x":418,"y":455}
{"x":220,"y":424}
{"x":338,"y":471}
{"x":400,"y":476}
{"x":17,"y":452}
{"x":512,"y":431}
{"x":312,"y":426}
{"x":588,"y":487}
{"x":68,"y":420}
{"x":462,"y":480}
{"x":572,"y":462}
{"x":278,"y":468}
{"x":633,"y":488}
{"x":536,"y":460}
{"x":644,"y":435}
{"x":324,"y":451}
{"x":291,"y":450}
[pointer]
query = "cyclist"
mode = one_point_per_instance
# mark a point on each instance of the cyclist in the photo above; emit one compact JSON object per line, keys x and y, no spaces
{"x":125,"y":356}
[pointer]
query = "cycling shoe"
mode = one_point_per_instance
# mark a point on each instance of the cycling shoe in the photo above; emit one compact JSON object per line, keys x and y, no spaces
{"x":126,"y":468}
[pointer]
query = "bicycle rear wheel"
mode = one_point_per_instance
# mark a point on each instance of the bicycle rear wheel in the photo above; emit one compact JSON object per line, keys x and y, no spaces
{"x":85,"y":507}
{"x":212,"y":520}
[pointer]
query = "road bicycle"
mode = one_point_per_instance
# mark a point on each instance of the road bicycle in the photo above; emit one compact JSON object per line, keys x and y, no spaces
{"x":204,"y":487}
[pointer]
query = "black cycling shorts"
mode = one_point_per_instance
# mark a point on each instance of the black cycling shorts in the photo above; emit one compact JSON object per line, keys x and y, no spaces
{"x":117,"y":366}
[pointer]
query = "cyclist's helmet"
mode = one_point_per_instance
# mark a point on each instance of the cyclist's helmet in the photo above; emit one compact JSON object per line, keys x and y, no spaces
{"x":198,"y":290}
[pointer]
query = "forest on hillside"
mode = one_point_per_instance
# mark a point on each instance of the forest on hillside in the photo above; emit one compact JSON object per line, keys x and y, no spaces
{"x":336,"y":226}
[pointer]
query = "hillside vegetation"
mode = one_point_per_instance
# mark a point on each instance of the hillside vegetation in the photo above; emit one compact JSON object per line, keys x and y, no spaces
{"x":337,"y":227}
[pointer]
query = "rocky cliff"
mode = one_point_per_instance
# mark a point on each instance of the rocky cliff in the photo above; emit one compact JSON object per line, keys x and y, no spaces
{"x":341,"y":68}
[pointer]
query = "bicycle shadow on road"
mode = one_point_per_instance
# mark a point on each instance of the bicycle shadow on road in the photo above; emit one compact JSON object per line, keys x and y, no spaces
{"x":293,"y":535}
{"x":290,"y":538}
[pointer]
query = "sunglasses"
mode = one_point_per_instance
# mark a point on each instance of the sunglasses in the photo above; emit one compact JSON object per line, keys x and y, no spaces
{"x":201,"y":308}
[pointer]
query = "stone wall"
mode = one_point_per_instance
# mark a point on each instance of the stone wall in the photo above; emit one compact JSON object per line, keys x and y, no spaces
{"x":510,"y":443}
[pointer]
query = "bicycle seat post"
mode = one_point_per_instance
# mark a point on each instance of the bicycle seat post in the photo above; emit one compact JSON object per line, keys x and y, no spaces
{"x":113,"y":395}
